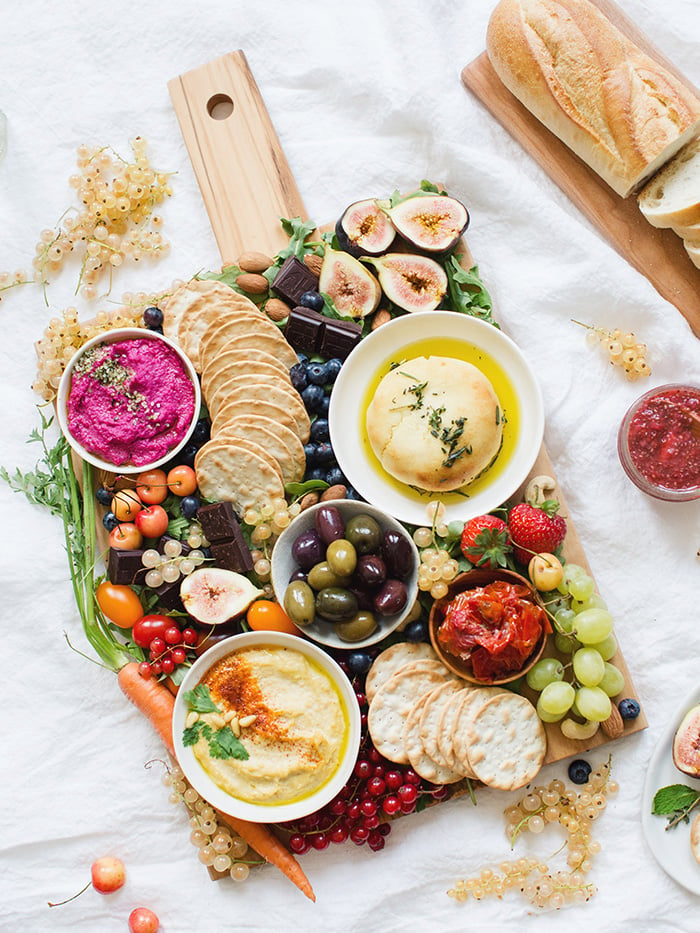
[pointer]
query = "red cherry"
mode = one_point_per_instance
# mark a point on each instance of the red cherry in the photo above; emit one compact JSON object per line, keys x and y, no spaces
{"x":108,"y":874}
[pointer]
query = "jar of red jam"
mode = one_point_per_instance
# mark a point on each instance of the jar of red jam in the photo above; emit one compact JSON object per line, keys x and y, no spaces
{"x":658,"y":448}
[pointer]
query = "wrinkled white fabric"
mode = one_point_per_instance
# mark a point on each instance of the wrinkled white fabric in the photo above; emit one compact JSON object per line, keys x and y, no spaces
{"x":366,"y":97}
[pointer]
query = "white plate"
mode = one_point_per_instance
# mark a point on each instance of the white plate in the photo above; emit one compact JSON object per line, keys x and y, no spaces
{"x":671,"y":848}
{"x":449,"y":333}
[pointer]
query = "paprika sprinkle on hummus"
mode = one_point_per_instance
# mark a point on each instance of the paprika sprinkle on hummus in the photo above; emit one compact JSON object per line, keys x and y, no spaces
{"x":130,"y":402}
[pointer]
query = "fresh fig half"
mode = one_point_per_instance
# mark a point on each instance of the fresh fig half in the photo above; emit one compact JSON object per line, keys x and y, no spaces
{"x":433,"y":223}
{"x":365,"y":229}
{"x":355,"y":292}
{"x":414,"y":283}
{"x":213,"y":595}
{"x":686,"y":744}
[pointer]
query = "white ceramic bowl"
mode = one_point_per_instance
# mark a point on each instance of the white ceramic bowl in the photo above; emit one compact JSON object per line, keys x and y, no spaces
{"x":437,"y":333}
{"x":284,"y":565}
{"x":116,"y":336}
{"x":266,"y":813}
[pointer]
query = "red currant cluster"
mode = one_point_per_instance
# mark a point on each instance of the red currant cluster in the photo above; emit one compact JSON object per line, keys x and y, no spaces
{"x":168,"y":650}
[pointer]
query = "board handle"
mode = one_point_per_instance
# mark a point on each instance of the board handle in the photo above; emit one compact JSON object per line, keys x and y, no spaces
{"x":243,"y":174}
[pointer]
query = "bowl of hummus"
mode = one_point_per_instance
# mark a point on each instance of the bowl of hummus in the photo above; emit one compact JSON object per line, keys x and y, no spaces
{"x":266,"y":727}
{"x":128,"y":400}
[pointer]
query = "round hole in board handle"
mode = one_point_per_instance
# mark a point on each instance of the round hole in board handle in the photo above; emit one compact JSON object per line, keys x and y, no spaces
{"x":220,"y":107}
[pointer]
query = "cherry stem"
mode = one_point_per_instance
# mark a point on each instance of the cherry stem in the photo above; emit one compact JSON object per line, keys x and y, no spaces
{"x":69,"y":899}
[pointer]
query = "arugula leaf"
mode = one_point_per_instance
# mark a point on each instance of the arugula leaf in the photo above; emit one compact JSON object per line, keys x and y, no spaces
{"x":675,"y":801}
{"x":200,"y":700}
{"x":467,"y":292}
{"x":224,"y":744}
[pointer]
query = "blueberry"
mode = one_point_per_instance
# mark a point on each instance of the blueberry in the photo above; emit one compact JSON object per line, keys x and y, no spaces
{"x":189,"y":506}
{"x":352,"y":493}
{"x":334,"y":366}
{"x":579,"y":771}
{"x":110,"y":520}
{"x":325,"y":406}
{"x":629,"y":708}
{"x":317,"y":373}
{"x":299,"y":377}
{"x":311,"y":299}
{"x":319,"y":430}
{"x":103,"y":495}
{"x":417,"y":630}
{"x":201,"y":433}
{"x":335,"y":477}
{"x":153,"y":318}
{"x":359,"y":662}
{"x":324,"y":453}
{"x":312,"y":397}
{"x":187,"y":454}
{"x":310,"y":454}
{"x":316,"y":472}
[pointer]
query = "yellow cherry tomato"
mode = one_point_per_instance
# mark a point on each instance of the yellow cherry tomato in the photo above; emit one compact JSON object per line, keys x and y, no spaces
{"x":265,"y":615}
{"x":119,"y":603}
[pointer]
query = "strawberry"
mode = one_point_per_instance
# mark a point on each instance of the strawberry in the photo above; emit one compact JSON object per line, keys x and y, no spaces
{"x":485,"y":541}
{"x":534,"y":529}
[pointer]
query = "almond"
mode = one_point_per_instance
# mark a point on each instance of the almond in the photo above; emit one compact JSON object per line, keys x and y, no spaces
{"x":277,"y":310}
{"x":254,"y":262}
{"x":311,"y":498}
{"x":313,"y":263}
{"x":381,"y":317}
{"x":613,"y":726}
{"x":334,"y":492}
{"x":252,"y":283}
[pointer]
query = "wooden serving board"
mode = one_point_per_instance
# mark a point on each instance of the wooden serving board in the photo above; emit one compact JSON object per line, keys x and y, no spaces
{"x":657,"y":254}
{"x":210,"y":151}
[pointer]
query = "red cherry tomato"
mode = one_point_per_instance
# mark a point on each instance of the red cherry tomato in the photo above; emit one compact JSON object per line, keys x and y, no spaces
{"x":182,"y":480}
{"x":119,"y":603}
{"x":264,"y":615}
{"x":125,"y":537}
{"x":152,"y":486}
{"x":143,"y":920}
{"x":152,"y":521}
{"x":126,"y":504}
{"x":149,"y":627}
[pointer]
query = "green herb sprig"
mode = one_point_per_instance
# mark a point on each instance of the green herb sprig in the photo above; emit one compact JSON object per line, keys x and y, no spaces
{"x":676,"y":802}
{"x":222,"y":742}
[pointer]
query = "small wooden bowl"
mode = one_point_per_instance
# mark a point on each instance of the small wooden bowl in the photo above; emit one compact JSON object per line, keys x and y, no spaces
{"x":471,"y":580}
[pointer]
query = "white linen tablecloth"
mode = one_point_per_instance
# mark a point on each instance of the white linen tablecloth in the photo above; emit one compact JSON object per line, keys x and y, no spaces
{"x":366,"y":97}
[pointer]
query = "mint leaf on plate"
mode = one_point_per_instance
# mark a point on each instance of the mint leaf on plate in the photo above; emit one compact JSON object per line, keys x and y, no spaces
{"x":675,"y":801}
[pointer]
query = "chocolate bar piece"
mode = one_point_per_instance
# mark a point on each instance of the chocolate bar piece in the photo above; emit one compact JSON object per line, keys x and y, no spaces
{"x":304,"y":330}
{"x":339,"y":339}
{"x":229,"y":555}
{"x":169,"y":595}
{"x":165,"y":538}
{"x":228,"y":546}
{"x":293,"y":279}
{"x":125,"y":567}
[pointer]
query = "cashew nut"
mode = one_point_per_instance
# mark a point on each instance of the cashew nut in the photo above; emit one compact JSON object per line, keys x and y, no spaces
{"x":539,"y":489}
{"x":579,"y":730}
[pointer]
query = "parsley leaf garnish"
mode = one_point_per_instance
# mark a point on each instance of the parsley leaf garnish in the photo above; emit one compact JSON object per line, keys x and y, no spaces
{"x":200,"y":700}
{"x":224,"y":744}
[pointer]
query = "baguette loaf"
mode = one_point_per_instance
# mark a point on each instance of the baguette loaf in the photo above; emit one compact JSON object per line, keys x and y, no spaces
{"x":621,"y":112}
{"x":673,"y":194}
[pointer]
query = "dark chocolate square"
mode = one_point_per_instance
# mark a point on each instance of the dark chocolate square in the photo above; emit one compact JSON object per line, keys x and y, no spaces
{"x":125,"y":567}
{"x":293,"y":279}
{"x":339,"y":339}
{"x":218,"y":520}
{"x":232,"y":555}
{"x":304,"y":330}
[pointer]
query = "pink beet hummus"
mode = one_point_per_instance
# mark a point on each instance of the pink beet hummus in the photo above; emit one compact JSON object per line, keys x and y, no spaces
{"x":130,"y":402}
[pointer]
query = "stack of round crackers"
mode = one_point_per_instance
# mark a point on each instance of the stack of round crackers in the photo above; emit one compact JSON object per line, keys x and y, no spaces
{"x":259,"y":422}
{"x":446,"y":729}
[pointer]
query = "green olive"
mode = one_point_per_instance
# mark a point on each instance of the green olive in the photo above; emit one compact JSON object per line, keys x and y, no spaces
{"x":336,"y":604}
{"x":321,"y":576}
{"x":299,"y":603}
{"x":360,"y":626}
{"x":341,"y":557}
{"x":364,"y":533}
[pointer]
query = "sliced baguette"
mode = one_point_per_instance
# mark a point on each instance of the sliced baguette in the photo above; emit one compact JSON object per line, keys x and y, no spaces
{"x":672,"y":197}
{"x":692,"y":248}
{"x":688,"y":232}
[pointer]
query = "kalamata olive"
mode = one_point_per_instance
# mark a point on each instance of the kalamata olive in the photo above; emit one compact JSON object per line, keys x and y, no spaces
{"x":364,"y":533}
{"x":341,"y":557}
{"x":365,"y":598}
{"x":297,"y":574}
{"x":360,"y":626}
{"x":308,"y":549}
{"x":336,"y":604}
{"x":391,"y":598}
{"x":299,"y":603}
{"x":329,"y":523}
{"x":370,"y":571}
{"x":321,"y":576}
{"x":397,"y":554}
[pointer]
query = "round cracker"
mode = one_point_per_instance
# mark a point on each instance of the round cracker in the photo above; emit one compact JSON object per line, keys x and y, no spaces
{"x":253,"y":327}
{"x":275,"y":394}
{"x":245,"y":443}
{"x":392,"y":704}
{"x":234,"y":474}
{"x":178,"y":304}
{"x":253,"y":379}
{"x":222,"y":367}
{"x":447,"y":725}
{"x":283,"y":434}
{"x":254,"y":408}
{"x":213,"y":347}
{"x":429,"y":727}
{"x":391,"y":659}
{"x":258,"y":434}
{"x":471,"y":704}
{"x":507,"y":742}
{"x":421,"y":762}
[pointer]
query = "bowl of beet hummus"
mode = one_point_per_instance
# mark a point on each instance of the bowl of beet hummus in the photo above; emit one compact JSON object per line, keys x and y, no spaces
{"x":658,"y":445}
{"x":128,"y":400}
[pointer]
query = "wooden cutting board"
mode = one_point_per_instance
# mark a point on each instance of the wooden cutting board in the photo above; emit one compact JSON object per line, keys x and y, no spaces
{"x":657,"y":254}
{"x":243,"y":220}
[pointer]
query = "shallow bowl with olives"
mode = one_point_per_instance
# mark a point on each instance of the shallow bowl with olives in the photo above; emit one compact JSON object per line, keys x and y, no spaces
{"x":346,"y":573}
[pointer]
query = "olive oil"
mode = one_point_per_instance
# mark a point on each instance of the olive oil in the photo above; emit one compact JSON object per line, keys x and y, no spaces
{"x":453,"y":348}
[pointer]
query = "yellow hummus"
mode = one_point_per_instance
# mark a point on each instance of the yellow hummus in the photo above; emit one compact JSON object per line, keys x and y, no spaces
{"x":297,"y":739}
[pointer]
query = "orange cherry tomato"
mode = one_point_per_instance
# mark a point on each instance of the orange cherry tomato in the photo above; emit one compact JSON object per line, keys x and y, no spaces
{"x":119,"y":603}
{"x":125,"y":504}
{"x":152,"y":486}
{"x":182,"y":480}
{"x":125,"y":537}
{"x":264,"y":615}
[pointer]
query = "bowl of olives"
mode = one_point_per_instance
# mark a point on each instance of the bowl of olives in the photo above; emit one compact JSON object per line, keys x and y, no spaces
{"x":346,"y":573}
